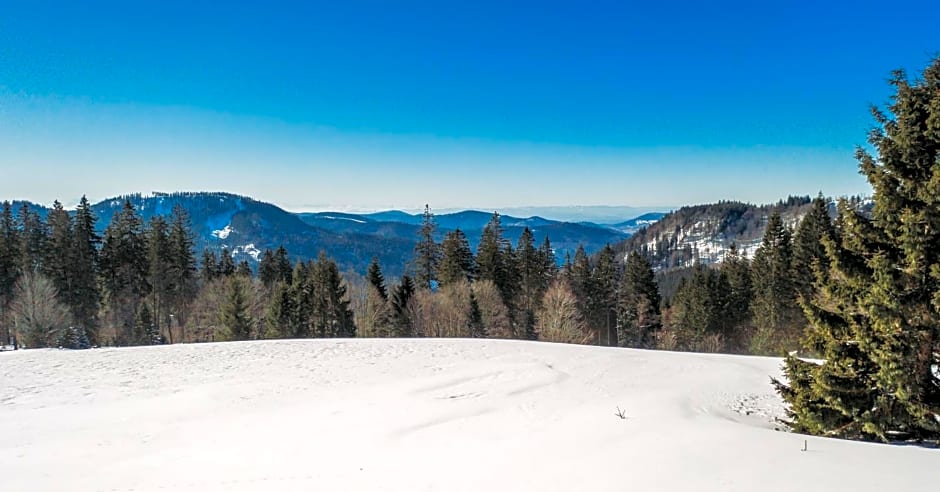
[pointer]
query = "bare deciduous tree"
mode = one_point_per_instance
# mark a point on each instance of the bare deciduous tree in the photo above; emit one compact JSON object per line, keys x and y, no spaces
{"x":38,"y":317}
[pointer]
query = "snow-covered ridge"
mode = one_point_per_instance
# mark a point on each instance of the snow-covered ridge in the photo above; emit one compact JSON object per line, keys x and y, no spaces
{"x":430,"y":414}
{"x":224,"y":232}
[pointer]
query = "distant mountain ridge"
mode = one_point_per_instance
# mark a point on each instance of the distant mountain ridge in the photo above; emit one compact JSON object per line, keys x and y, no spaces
{"x":247,"y":227}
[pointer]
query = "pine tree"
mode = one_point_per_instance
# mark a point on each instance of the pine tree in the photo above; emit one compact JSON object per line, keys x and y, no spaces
{"x":774,"y":307}
{"x":808,"y":249}
{"x":226,"y":263}
{"x":377,"y":279}
{"x":876,"y":316}
{"x":582,"y":282}
{"x":33,"y":236}
{"x":638,"y":313}
{"x":235,"y":316}
{"x":267,"y":269}
{"x":283,"y":265}
{"x":737,"y":269}
{"x":85,"y":297}
{"x":159,"y":272}
{"x":9,"y":268}
{"x":244,"y":269}
{"x":124,"y":270}
{"x":57,"y":262}
{"x":145,"y":330}
{"x":209,"y":269}
{"x":457,"y":261}
{"x":278,"y":314}
{"x":699,"y":311}
{"x":427,"y":252}
{"x":182,"y":268}
{"x":400,"y":300}
{"x":332,"y":316}
{"x":606,"y":277}
{"x":531,"y":281}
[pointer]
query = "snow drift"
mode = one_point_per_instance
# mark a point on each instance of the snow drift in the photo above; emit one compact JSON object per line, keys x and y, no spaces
{"x":416,"y":415}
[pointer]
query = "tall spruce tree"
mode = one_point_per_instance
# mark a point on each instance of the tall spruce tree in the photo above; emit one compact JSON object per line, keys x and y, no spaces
{"x":774,"y":307}
{"x":85,"y":297}
{"x":400,"y":300}
{"x":457,"y":261}
{"x":33,"y":236}
{"x":738,"y":271}
{"x":9,"y":268}
{"x":208,"y":267}
{"x":808,"y":248}
{"x":124,"y":270}
{"x":332,"y":316}
{"x":606,"y":281}
{"x":638,"y":313}
{"x":159,"y":273}
{"x":376,"y":278}
{"x":235,"y":315}
{"x":427,"y":252}
{"x":57,"y":263}
{"x":182,"y":267}
{"x":226,"y":263}
{"x":876,"y":316}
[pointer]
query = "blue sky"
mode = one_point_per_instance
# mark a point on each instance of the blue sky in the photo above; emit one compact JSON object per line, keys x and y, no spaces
{"x":368,"y":105}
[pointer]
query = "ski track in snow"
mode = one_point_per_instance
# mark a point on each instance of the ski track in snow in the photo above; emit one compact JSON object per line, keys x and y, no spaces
{"x":415,"y":415}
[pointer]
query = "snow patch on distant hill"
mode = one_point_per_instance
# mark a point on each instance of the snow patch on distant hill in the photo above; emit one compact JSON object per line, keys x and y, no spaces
{"x":224,"y":232}
{"x":248,"y":249}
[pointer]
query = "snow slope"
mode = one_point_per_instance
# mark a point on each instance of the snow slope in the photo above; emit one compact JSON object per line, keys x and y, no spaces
{"x":415,"y":415}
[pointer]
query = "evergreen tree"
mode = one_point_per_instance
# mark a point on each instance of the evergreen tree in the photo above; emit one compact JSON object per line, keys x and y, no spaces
{"x":283,"y":264}
{"x":699,"y":311}
{"x":278,"y":314}
{"x":475,"y":320}
{"x":57,"y":263}
{"x":531,"y":281}
{"x":124,"y":270}
{"x":400,"y":300}
{"x":85,"y":298}
{"x":267,"y":269}
{"x":808,"y":249}
{"x":876,"y":317}
{"x":638,"y":313}
{"x":209,"y":269}
{"x":226,"y":263}
{"x":182,"y":267}
{"x":235,"y":316}
{"x":332,"y":316}
{"x":774,"y":306}
{"x":33,"y":236}
{"x":9,"y":268}
{"x":376,"y":279}
{"x":489,"y":252}
{"x":737,"y":269}
{"x":244,"y":269}
{"x":606,"y":277}
{"x":427,"y":252}
{"x":582,"y":282}
{"x":145,"y":330}
{"x":159,"y":274}
{"x":548,"y":268}
{"x":457,"y":261}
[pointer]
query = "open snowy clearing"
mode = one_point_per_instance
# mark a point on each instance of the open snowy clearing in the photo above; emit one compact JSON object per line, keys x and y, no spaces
{"x":415,"y":415}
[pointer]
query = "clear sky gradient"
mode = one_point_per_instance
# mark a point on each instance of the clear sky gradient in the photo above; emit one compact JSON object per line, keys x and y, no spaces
{"x":367,"y":105}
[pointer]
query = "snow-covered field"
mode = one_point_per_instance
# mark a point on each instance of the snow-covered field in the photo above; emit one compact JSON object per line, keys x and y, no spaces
{"x":413,"y":415}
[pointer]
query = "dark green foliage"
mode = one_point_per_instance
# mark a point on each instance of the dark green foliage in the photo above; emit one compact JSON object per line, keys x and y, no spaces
{"x":400,"y":300}
{"x":475,"y":320}
{"x":529,"y":269}
{"x":9,"y":268}
{"x":278,"y":319}
{"x":145,"y":332}
{"x":209,"y":267}
{"x":457,"y":261}
{"x":377,"y":279}
{"x":159,"y":277}
{"x":33,"y":236}
{"x":226,"y":263}
{"x":267,"y":270}
{"x":56,"y":265}
{"x":235,"y":315}
{"x":737,"y":270}
{"x":85,"y":293}
{"x":699,"y":308}
{"x":876,"y":316}
{"x":583,"y":284}
{"x":331,"y":314}
{"x":808,"y":248}
{"x":638,"y":314}
{"x":244,"y":269}
{"x":124,"y":270}
{"x":774,"y":307}
{"x":604,"y":305}
{"x":427,"y":252}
